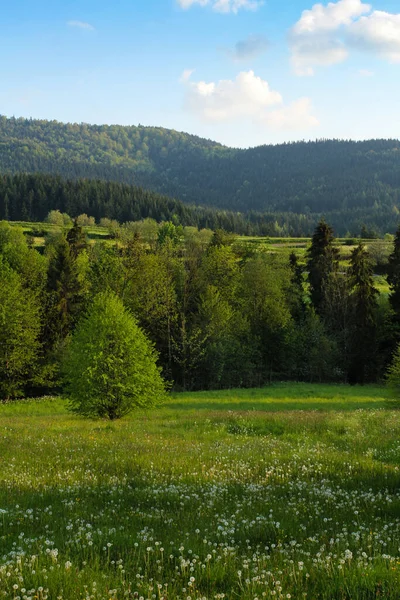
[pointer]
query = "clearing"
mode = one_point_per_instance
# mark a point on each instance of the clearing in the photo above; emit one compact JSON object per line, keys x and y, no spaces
{"x":291,"y":491}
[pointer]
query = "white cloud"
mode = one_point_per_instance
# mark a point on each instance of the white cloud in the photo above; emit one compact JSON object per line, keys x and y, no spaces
{"x":223,"y":6}
{"x":315,"y":40}
{"x":252,"y":46}
{"x":328,"y":18}
{"x":296,"y":116}
{"x":325,"y":34}
{"x":247,"y":97}
{"x":316,"y":51}
{"x":80,"y":25}
{"x":378,"y":33}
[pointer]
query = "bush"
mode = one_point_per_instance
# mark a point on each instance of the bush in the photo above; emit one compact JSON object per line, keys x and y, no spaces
{"x":110,"y":366}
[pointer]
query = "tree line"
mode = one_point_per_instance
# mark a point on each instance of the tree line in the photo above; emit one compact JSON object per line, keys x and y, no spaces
{"x":25,"y":197}
{"x":219,"y":314}
{"x":351,"y":181}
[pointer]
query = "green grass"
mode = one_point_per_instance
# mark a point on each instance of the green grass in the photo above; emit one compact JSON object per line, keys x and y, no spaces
{"x":288,"y":491}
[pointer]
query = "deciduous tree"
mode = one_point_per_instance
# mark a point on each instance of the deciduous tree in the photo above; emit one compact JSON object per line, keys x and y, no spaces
{"x":110,"y":366}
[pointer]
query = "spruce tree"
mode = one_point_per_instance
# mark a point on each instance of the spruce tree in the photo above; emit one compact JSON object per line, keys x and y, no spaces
{"x":364,"y":305}
{"x":323,"y":260}
{"x":76,"y":239}
{"x":394,"y":277}
{"x":64,"y":294}
{"x":297,"y":303}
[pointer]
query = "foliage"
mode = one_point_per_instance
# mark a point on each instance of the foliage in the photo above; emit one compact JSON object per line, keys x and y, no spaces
{"x":394,"y":276}
{"x":323,"y":261}
{"x":19,"y":333}
{"x":355,"y":185}
{"x":393,"y":373}
{"x":54,"y":199}
{"x":364,"y":305}
{"x":219,"y":312}
{"x":110,"y":366}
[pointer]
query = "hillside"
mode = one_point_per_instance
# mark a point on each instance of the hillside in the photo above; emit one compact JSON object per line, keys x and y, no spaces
{"x":30,"y":197}
{"x":313,"y":177}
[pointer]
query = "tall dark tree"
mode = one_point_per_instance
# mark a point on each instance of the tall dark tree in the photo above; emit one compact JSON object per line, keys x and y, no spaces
{"x":297,"y":303}
{"x":64,"y":294}
{"x":364,"y":306}
{"x":394,"y":277}
{"x":76,"y":239}
{"x":323,"y":261}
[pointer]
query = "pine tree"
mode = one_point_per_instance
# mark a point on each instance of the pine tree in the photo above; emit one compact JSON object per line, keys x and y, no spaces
{"x":364,"y":305}
{"x":323,"y":260}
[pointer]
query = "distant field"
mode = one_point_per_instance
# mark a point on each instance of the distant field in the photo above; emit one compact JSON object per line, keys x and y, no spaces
{"x":280,"y":246}
{"x":40,"y":230}
{"x":291,"y":491}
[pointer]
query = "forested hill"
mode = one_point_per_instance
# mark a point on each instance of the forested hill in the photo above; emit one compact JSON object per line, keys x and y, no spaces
{"x":312,"y":177}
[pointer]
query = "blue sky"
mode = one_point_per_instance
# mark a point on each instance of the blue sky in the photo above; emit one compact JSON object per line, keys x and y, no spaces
{"x":242,"y":72}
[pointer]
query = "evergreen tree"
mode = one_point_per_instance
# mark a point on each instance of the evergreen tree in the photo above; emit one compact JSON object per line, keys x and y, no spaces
{"x":364,"y":305}
{"x":394,"y":278}
{"x":297,"y":302}
{"x":393,"y":374}
{"x":64,"y":294}
{"x":323,"y":260}
{"x":76,"y":239}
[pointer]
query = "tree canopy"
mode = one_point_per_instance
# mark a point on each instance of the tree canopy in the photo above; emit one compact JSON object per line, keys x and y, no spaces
{"x":110,"y":366}
{"x":354,"y":184}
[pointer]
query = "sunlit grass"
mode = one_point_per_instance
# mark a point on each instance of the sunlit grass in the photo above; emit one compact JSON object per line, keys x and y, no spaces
{"x":287,"y":491}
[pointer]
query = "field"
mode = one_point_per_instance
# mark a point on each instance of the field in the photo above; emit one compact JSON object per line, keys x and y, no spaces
{"x":292,"y":491}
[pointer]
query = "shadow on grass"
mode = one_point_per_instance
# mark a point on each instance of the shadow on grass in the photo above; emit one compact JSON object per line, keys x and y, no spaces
{"x":302,"y":405}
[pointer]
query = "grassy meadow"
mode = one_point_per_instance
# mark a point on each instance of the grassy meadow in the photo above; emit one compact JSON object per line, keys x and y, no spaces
{"x":291,"y":491}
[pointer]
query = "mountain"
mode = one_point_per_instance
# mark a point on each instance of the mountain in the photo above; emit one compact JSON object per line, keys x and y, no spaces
{"x":355,"y":182}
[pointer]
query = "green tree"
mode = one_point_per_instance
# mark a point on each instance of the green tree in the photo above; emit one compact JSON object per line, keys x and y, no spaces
{"x":76,"y":239}
{"x":65,"y":292}
{"x":364,"y":305}
{"x":19,"y":333}
{"x":110,"y":366}
{"x":23,"y":259}
{"x":393,"y":278}
{"x":168,"y":232}
{"x":310,"y":355}
{"x":297,"y":303}
{"x":323,"y":260}
{"x":393,"y":373}
{"x":55,"y":218}
{"x":263,"y":297}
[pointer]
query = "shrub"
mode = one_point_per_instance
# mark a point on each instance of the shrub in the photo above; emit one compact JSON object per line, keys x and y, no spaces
{"x":110,"y":366}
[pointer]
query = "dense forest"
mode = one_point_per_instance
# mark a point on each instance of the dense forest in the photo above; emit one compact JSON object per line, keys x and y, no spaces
{"x":350,"y":182}
{"x":220,"y":314}
{"x":25,"y":197}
